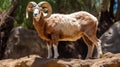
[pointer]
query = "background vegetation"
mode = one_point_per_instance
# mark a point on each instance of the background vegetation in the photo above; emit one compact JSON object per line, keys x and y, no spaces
{"x":59,"y":6}
{"x":12,"y":14}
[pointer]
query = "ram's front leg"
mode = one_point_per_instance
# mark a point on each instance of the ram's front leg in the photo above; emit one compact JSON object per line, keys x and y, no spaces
{"x":55,"y":48}
{"x":49,"y":46}
{"x":55,"y":38}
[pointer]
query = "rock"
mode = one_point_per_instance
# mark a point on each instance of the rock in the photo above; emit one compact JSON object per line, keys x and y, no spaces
{"x":108,"y":60}
{"x":23,"y":42}
{"x":26,"y":49}
{"x":111,"y":39}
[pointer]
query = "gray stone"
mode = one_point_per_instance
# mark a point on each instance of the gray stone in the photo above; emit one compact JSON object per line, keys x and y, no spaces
{"x":23,"y":42}
{"x":111,"y":39}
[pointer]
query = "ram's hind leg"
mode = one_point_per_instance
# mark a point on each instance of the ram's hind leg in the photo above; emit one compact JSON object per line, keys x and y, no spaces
{"x":99,"y":49}
{"x":96,"y":42}
{"x":90,"y":46}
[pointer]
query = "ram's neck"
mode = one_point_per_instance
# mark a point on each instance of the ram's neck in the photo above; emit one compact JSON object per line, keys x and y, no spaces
{"x":40,"y":28}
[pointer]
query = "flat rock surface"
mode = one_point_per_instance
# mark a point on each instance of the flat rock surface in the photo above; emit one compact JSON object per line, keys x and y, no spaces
{"x":108,"y":60}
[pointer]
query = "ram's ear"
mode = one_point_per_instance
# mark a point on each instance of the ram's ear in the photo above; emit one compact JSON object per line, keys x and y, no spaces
{"x":29,"y":8}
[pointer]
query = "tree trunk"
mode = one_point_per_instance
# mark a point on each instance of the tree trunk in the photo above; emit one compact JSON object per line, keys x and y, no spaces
{"x":6,"y":24}
{"x":118,"y":12}
{"x":107,"y":17}
{"x":64,"y":6}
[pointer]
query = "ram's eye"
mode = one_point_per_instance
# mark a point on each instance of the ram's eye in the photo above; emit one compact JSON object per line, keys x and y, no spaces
{"x":43,"y":7}
{"x":45,"y":10}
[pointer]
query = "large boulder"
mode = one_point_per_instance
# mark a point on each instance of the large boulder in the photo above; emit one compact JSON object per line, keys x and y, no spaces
{"x":23,"y":42}
{"x":110,"y":40}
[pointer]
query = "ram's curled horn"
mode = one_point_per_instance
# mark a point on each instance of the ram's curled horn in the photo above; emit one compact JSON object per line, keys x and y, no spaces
{"x":29,"y":7}
{"x":46,"y":8}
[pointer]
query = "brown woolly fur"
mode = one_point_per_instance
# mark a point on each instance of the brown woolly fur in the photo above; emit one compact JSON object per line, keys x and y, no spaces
{"x":68,"y":27}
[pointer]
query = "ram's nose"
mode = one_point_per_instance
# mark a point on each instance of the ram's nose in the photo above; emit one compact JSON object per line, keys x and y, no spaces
{"x":36,"y":12}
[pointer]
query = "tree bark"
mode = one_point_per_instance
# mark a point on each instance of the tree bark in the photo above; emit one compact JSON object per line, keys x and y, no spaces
{"x":118,"y":12}
{"x":6,"y":24}
{"x":106,"y":18}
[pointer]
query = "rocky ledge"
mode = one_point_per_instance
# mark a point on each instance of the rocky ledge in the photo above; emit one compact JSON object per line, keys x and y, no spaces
{"x":108,"y":60}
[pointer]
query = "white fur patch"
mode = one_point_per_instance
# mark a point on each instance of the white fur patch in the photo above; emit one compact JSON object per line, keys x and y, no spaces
{"x":49,"y":51}
{"x":56,"y":54}
{"x":36,"y":12}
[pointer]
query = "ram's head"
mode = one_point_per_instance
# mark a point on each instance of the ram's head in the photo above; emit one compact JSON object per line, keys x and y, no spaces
{"x":40,"y":10}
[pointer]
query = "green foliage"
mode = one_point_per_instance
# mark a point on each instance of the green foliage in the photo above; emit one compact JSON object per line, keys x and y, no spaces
{"x":92,"y":6}
{"x":20,"y":14}
{"x":4,"y":4}
{"x":59,"y":6}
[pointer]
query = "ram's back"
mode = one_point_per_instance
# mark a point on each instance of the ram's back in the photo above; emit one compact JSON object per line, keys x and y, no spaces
{"x":70,"y":25}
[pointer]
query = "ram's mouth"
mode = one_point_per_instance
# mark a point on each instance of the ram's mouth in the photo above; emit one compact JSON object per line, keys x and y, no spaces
{"x":37,"y":17}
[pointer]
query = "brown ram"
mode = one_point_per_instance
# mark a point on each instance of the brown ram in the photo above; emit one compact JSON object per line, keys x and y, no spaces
{"x":64,"y":27}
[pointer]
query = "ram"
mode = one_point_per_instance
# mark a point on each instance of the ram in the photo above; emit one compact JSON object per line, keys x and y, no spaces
{"x":64,"y":27}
